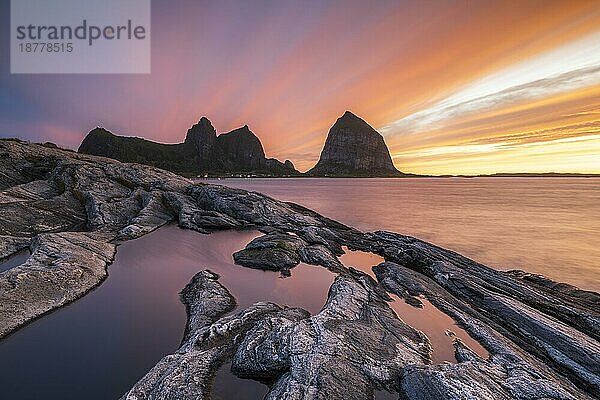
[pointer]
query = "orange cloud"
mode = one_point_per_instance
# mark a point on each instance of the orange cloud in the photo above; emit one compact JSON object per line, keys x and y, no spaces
{"x":289,"y":69}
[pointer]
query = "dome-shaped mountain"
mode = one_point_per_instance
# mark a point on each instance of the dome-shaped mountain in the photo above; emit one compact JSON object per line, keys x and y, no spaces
{"x":354,"y":148}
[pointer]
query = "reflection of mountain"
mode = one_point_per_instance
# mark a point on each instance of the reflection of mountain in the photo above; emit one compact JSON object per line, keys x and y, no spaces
{"x":354,"y":148}
{"x":202,"y":152}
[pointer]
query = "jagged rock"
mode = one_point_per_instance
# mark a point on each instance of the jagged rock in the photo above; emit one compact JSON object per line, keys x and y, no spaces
{"x":210,"y":341}
{"x":10,"y":245}
{"x":278,"y":251}
{"x":289,"y":164}
{"x":323,"y":236}
{"x":179,"y":157}
{"x":52,"y":190}
{"x":62,"y":267}
{"x":494,"y":309}
{"x":205,"y":300}
{"x":318,"y":254}
{"x":192,"y":217}
{"x":476,"y":381}
{"x":35,"y":208}
{"x":568,"y":293}
{"x":202,"y":137}
{"x":355,"y":338}
{"x":239,"y":151}
{"x":152,"y":215}
{"x":354,"y":148}
{"x":72,"y":209}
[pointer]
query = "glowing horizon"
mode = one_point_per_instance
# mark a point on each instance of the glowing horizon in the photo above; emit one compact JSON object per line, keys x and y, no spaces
{"x":454,"y":87}
{"x":558,"y":146}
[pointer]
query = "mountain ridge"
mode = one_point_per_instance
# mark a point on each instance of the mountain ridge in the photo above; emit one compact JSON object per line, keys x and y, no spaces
{"x":353,"y":148}
{"x":202,"y":151}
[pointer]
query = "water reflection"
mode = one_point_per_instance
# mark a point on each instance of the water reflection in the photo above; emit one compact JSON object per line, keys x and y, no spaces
{"x":429,"y":320}
{"x":228,"y":386}
{"x":99,"y":346}
{"x":435,"y":324}
{"x":361,"y":260}
{"x":549,"y":226}
{"x":14,"y":260}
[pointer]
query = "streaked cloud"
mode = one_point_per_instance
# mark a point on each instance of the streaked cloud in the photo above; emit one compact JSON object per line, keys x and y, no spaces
{"x":505,"y":120}
{"x":568,"y":68}
{"x":459,"y":85}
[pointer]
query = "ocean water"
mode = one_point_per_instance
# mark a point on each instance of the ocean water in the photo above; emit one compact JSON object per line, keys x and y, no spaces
{"x":548,"y":226}
{"x":99,"y":346}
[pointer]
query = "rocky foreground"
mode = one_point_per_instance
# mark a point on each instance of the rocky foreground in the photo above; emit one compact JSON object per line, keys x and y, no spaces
{"x":71,"y":211}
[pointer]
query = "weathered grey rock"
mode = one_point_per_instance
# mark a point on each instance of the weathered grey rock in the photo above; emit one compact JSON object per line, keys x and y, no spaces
{"x":495,"y":316}
{"x":318,"y":254}
{"x":277,"y":251}
{"x":205,"y":301}
{"x":152,"y":215}
{"x":187,"y":374}
{"x":71,"y":210}
{"x":61,"y":268}
{"x":475,"y":381}
{"x":322,"y":236}
{"x":49,"y":190}
{"x":273,"y":252}
{"x":192,"y":217}
{"x":10,"y":245}
{"x":570,"y":294}
{"x":208,"y":344}
{"x":355,"y":339}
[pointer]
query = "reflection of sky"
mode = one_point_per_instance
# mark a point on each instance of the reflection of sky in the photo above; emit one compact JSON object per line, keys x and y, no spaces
{"x":549,"y":226}
{"x":434,"y":323}
{"x":450,"y":84}
{"x":429,"y":320}
{"x":99,"y":346}
{"x":308,"y":288}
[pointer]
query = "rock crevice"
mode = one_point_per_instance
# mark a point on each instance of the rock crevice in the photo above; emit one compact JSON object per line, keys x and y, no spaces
{"x":72,"y":210}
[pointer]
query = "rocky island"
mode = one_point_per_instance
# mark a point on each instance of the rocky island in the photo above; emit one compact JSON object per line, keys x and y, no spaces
{"x":71,"y":211}
{"x":203,"y":152}
{"x":353,"y":148}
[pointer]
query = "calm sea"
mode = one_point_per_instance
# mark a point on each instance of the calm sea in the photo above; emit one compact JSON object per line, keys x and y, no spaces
{"x":549,"y":226}
{"x":99,"y":346}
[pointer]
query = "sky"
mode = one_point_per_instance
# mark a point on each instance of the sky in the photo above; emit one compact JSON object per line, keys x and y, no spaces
{"x":455,"y":87}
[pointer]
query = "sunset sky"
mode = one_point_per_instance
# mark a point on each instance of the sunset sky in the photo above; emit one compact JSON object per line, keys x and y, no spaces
{"x":455,"y":87}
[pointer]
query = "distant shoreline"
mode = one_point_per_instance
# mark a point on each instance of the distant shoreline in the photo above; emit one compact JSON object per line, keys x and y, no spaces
{"x":251,"y":175}
{"x":408,"y":176}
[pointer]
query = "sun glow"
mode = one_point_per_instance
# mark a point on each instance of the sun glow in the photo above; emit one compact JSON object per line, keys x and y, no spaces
{"x":538,"y":116}
{"x":444,"y":81}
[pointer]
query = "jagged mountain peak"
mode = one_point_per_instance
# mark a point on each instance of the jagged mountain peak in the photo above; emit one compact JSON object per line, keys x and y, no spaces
{"x":242,"y":130}
{"x":200,"y":131}
{"x":351,"y":120}
{"x":238,"y":151}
